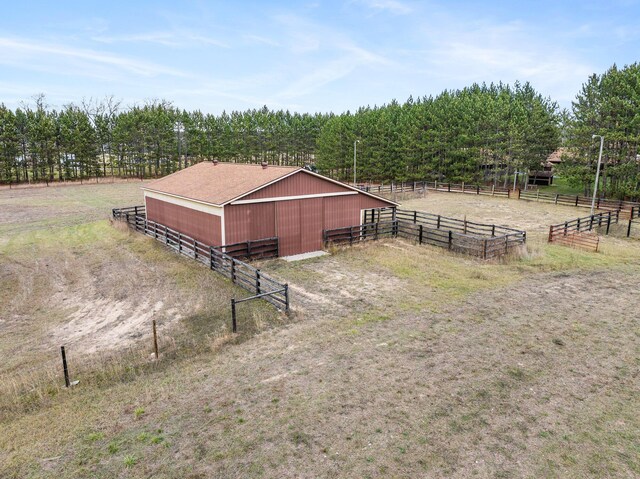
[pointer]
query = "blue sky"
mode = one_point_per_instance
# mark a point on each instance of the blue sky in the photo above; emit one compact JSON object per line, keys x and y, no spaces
{"x":304,"y":56}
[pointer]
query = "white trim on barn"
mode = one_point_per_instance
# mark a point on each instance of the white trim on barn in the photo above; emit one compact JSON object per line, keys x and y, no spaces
{"x":298,"y":197}
{"x":185,"y":202}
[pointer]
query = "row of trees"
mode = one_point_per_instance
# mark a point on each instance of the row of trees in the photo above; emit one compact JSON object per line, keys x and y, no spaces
{"x":607,"y":105}
{"x":102,"y":139}
{"x":483,"y":132}
{"x":480,"y":133}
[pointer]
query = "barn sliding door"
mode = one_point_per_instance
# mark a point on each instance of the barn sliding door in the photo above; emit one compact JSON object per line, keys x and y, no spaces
{"x":299,"y":226}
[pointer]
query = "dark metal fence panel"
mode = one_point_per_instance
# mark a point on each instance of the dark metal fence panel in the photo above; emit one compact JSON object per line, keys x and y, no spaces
{"x":583,"y":232}
{"x":239,"y":272}
{"x":476,"y":239}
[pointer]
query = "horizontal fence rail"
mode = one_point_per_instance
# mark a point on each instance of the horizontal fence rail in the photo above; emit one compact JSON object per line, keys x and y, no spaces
{"x":252,"y":249}
{"x":239,"y":272}
{"x":624,"y":207}
{"x":583,"y":232}
{"x":476,"y":239}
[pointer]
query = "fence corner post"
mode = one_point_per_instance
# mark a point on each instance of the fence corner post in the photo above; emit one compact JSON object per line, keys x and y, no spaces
{"x":286,"y":298}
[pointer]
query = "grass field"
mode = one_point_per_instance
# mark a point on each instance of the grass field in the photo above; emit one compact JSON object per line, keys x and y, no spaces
{"x":402,"y":361}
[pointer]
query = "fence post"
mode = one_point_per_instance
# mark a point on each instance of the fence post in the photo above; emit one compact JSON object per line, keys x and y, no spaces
{"x":493,"y":230}
{"x":577,"y":199}
{"x":493,"y":190}
{"x":166,"y":235}
{"x":506,"y":244}
{"x":551,"y":234}
{"x":484,"y":249}
{"x":67,"y":383}
{"x":376,"y":233}
{"x":578,"y":226}
{"x":557,"y":198}
{"x":211,"y":258}
{"x":519,"y":191}
{"x":629,"y":228}
{"x":438,"y":223}
{"x":415,"y":217}
{"x":257,"y":281}
{"x":233,"y":270}
{"x":234,"y":327}
{"x":566,"y":226}
{"x":591,"y":224}
{"x":155,"y":339}
{"x":478,"y":190}
{"x":450,"y":240}
{"x":179,"y":242}
{"x":463,"y":186}
{"x":609,"y":222}
{"x":286,"y":297}
{"x":420,"y":235}
{"x":449,"y":187}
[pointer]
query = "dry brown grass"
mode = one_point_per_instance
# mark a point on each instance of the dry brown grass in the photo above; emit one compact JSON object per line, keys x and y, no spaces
{"x":409,"y":362}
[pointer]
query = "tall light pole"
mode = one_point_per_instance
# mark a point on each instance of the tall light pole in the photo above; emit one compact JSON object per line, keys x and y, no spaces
{"x":355,"y":149}
{"x":595,"y":186}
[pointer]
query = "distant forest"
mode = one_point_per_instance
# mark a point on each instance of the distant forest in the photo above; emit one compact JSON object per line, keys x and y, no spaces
{"x":482,"y":133}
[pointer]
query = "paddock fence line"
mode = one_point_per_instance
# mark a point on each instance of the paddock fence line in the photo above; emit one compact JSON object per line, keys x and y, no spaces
{"x":634,"y":219}
{"x":583,"y":232}
{"x":239,"y":272}
{"x":475,"y":239}
{"x":528,"y":195}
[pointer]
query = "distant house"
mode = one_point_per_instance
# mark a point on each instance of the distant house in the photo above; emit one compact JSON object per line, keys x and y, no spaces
{"x":544,"y":177}
{"x":226,"y":203}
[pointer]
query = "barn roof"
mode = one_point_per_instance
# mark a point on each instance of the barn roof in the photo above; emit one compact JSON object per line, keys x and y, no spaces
{"x":218,"y":183}
{"x":221,"y":183}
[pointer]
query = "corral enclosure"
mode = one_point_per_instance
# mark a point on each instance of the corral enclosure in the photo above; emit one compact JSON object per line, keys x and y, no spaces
{"x":406,"y":360}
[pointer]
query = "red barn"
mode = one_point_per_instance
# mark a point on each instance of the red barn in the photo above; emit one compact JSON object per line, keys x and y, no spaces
{"x":226,"y":203}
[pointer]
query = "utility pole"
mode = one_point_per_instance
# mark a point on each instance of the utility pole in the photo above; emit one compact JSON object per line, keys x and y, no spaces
{"x":595,"y":186}
{"x":355,"y":149}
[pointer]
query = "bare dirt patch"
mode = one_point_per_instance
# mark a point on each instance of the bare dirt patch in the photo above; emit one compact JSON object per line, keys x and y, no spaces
{"x":532,"y":217}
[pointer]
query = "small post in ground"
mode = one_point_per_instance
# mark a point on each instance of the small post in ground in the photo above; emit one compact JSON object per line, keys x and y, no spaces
{"x":67,"y":383}
{"x":234,"y":327}
{"x":155,"y":339}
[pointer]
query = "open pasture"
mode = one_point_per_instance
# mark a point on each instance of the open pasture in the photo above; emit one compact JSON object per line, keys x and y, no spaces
{"x":405,"y":360}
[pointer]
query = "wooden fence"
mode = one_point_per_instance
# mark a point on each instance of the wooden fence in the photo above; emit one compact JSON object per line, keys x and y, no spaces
{"x":240,"y":273}
{"x":529,"y":195}
{"x":583,"y":232}
{"x":475,"y":239}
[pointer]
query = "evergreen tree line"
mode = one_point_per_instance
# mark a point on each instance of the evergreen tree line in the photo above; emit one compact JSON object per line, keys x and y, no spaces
{"x":482,"y":133}
{"x":99,"y":139}
{"x":477,"y":134}
{"x":607,"y":105}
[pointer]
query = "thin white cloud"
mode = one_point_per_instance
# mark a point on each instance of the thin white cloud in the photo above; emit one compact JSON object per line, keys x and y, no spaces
{"x":165,"y":38}
{"x":260,"y":39}
{"x":388,"y":6}
{"x":326,"y":56}
{"x":43,"y":55}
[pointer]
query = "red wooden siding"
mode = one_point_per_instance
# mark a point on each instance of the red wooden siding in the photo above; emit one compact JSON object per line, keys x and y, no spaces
{"x":341,"y":211}
{"x":299,"y":183}
{"x":249,"y":222}
{"x":311,"y":222}
{"x":368,"y":202}
{"x":288,"y":228}
{"x":202,"y":226}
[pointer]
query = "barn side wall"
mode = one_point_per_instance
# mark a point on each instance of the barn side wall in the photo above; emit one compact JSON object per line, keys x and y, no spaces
{"x":249,"y":222}
{"x":202,"y":226}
